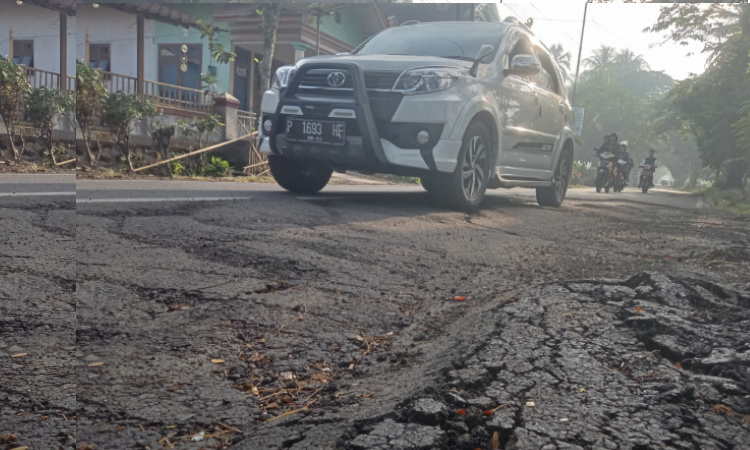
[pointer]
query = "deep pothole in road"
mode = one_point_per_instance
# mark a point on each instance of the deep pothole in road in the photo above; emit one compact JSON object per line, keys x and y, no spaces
{"x":646,"y":363}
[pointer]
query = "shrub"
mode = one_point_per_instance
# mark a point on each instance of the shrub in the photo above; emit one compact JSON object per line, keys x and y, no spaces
{"x":119,"y":111}
{"x":217,"y":168}
{"x":90,"y":91}
{"x":43,"y":105}
{"x":13,"y":89}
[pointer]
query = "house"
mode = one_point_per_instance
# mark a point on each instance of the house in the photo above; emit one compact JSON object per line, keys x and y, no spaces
{"x":40,"y":34}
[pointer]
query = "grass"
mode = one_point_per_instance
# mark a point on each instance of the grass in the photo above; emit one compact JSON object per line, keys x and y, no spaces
{"x":734,"y":201}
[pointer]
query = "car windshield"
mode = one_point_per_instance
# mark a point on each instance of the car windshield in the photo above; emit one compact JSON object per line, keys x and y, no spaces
{"x":455,"y":40}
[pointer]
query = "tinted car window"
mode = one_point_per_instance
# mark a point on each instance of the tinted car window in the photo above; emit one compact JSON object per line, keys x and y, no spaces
{"x":460,"y":41}
{"x":546,"y":78}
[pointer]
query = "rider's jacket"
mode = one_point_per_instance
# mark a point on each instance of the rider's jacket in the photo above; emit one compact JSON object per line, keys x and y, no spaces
{"x":651,"y":160}
{"x":625,"y":155}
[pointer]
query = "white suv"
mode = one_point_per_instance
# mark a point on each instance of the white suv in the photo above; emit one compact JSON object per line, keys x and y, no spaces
{"x":465,"y":106}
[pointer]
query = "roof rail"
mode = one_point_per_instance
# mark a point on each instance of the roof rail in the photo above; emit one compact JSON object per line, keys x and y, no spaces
{"x":410,"y":22}
{"x":516,"y":21}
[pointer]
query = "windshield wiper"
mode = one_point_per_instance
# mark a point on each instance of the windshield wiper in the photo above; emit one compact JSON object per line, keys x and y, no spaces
{"x":462,"y":58}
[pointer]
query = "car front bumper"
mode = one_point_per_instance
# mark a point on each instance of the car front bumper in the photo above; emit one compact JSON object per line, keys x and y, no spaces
{"x":383,"y":129}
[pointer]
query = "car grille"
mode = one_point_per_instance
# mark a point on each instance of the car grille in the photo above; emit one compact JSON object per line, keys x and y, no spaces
{"x":317,"y":80}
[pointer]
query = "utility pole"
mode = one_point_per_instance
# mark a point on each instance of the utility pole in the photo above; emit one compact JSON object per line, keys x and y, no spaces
{"x":580,"y":49}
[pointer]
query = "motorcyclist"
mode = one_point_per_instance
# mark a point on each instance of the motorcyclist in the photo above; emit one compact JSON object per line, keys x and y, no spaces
{"x":609,"y":145}
{"x":622,"y":153}
{"x":649,"y":160}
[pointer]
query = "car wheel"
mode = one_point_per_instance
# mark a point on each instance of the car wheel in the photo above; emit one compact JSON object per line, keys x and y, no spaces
{"x":464,"y":188}
{"x":299,"y":177}
{"x":555,"y":194}
{"x":427,"y":183}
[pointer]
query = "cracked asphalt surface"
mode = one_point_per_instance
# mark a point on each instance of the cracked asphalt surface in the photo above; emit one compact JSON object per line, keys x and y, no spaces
{"x":366,"y":318}
{"x":37,"y":312}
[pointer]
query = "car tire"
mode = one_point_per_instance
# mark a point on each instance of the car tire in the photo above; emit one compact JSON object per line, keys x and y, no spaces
{"x":427,"y":182}
{"x":464,"y":188}
{"x":555,"y":195}
{"x":299,"y":177}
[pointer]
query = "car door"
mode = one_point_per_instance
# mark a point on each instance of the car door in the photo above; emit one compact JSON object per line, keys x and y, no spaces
{"x":552,"y":111}
{"x":520,"y":103}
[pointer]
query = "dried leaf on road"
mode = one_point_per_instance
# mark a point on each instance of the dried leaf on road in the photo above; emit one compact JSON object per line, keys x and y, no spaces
{"x":530,"y":404}
{"x":678,"y":365}
{"x":18,"y":355}
{"x":461,"y":412}
{"x":459,"y":298}
{"x":495,"y":441}
{"x":568,"y":315}
{"x":96,"y":364}
{"x":218,"y":361}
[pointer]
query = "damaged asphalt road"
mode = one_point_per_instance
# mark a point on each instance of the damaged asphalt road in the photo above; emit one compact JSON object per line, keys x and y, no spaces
{"x":373,"y":320}
{"x":37,"y":312}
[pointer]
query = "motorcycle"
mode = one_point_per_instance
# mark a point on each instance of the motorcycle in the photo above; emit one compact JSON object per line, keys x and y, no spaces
{"x":647,"y":177}
{"x":605,"y":176}
{"x":619,"y":173}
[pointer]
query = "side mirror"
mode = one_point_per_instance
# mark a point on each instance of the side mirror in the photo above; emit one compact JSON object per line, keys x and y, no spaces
{"x":484,"y":51}
{"x":525,"y":65}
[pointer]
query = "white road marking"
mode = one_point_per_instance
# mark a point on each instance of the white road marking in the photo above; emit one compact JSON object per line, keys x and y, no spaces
{"x":157,"y":199}
{"x":35,"y":194}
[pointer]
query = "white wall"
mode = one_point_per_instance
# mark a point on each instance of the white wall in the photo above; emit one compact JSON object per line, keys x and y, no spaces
{"x":43,"y":26}
{"x":109,"y":26}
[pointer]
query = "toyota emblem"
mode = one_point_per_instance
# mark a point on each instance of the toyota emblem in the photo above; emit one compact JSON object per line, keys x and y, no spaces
{"x":336,"y":79}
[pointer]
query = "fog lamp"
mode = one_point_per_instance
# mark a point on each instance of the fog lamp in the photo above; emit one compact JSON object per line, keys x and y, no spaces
{"x":423,"y":137}
{"x":267,"y":125}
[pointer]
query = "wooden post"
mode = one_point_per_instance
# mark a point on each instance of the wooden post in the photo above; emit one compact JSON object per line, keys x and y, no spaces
{"x":141,"y":53}
{"x":251,"y":83}
{"x":10,"y":44}
{"x":317,"y":34}
{"x":63,"y":51}
{"x":86,"y":49}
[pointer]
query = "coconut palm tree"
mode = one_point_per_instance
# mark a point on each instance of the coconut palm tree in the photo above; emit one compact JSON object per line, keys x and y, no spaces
{"x":603,"y":57}
{"x":631,"y":62}
{"x":563,"y":59}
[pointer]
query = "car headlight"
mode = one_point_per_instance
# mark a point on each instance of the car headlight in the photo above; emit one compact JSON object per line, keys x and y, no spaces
{"x":282,"y":77}
{"x":430,"y":79}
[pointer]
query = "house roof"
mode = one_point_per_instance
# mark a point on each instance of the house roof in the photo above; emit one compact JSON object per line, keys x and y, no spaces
{"x":66,"y":6}
{"x":152,"y":11}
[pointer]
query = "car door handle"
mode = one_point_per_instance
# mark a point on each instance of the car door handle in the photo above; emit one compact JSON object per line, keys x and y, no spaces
{"x":537,"y":100}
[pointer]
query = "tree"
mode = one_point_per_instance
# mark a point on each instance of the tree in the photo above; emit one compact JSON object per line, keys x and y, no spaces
{"x":90,"y":91}
{"x":627,"y":60}
{"x":120,"y":110}
{"x":269,"y":14}
{"x":713,"y":24}
{"x":563,"y":59}
{"x":603,"y":57}
{"x":713,"y":105}
{"x":13,"y":88}
{"x":43,"y":106}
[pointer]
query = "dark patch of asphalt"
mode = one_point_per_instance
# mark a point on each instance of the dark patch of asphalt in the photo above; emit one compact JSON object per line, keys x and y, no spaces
{"x":367,"y":318}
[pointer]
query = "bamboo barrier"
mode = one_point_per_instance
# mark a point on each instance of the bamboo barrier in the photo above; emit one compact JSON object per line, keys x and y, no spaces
{"x":196,"y":152}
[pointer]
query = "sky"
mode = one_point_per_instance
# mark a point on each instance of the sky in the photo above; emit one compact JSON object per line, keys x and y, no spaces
{"x":618,"y":25}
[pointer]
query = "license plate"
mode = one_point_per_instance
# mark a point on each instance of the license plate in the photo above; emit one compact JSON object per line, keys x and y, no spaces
{"x":316,"y":131}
